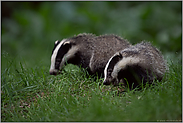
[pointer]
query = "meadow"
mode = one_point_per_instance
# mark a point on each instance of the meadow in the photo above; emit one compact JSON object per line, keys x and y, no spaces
{"x":29,"y":93}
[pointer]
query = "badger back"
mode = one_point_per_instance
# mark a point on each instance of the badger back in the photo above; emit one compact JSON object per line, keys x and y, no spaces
{"x":106,"y":46}
{"x":152,"y":59}
{"x":69,"y":51}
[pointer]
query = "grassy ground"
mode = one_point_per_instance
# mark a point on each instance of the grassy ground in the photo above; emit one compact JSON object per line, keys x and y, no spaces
{"x":31,"y":94}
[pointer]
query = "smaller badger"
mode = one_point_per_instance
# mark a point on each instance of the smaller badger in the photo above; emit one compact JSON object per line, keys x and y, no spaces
{"x":86,"y":50}
{"x":136,"y":64}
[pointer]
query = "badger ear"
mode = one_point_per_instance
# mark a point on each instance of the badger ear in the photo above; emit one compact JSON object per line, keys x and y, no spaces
{"x":120,"y":55}
{"x":56,"y":42}
{"x":67,"y":42}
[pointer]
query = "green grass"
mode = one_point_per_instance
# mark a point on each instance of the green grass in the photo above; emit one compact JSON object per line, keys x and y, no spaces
{"x":31,"y":94}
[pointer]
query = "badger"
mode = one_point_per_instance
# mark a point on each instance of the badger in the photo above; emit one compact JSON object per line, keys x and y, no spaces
{"x":86,"y":50}
{"x":135,"y":65}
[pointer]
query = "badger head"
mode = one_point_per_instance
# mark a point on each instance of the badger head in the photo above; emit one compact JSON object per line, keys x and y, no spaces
{"x":63,"y":52}
{"x":109,"y":69}
{"x":117,"y":67}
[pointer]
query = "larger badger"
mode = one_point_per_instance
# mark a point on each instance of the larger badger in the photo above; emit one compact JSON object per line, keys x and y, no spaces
{"x":86,"y":50}
{"x":136,"y":64}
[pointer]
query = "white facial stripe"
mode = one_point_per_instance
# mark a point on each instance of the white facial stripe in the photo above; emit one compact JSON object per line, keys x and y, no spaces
{"x":105,"y":70}
{"x":122,"y":64}
{"x":53,"y":57}
{"x":107,"y":65}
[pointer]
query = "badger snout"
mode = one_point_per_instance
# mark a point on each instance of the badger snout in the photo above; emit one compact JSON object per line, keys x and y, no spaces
{"x":53,"y":72}
{"x":109,"y":80}
{"x":106,"y":82}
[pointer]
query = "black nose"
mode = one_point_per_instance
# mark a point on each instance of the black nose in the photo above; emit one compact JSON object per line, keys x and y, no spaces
{"x":53,"y":72}
{"x":106,"y":82}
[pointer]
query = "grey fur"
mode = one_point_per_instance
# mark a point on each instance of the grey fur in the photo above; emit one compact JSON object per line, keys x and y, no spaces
{"x":141,"y":62}
{"x":93,"y":52}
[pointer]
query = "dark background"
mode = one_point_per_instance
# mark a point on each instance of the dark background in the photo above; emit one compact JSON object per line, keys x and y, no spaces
{"x":29,"y":29}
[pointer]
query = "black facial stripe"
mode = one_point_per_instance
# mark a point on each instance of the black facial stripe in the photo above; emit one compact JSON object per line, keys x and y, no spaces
{"x":61,"y":52}
{"x":112,"y":63}
{"x":55,"y":46}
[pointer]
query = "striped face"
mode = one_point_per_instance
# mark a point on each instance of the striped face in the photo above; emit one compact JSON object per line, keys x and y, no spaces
{"x":62,"y":51}
{"x":109,"y":69}
{"x":115,"y":65}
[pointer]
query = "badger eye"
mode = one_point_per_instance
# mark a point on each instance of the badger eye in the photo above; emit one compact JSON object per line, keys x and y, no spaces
{"x":58,"y":61}
{"x":110,"y":70}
